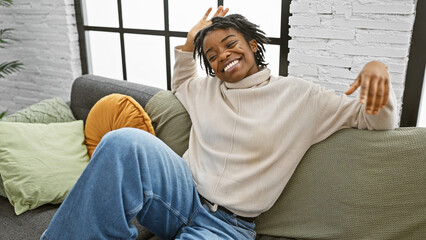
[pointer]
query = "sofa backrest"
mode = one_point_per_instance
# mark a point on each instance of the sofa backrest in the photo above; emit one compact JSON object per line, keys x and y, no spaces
{"x":88,"y":89}
{"x":356,"y":184}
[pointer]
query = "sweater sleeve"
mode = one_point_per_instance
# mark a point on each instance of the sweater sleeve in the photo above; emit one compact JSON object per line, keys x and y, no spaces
{"x":185,"y":68}
{"x":334,"y":112}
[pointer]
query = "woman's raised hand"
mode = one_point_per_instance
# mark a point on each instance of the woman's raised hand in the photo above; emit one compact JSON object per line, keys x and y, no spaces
{"x":374,"y":82}
{"x":204,"y":22}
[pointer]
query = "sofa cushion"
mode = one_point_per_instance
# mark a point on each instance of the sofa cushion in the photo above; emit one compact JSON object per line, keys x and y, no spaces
{"x":356,"y":184}
{"x":31,"y":224}
{"x":113,"y":112}
{"x":88,"y":89}
{"x":46,"y":111}
{"x":170,"y":120}
{"x":40,"y":163}
{"x":27,"y":226}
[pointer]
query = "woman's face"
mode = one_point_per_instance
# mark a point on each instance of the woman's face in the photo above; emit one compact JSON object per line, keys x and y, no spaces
{"x":230,"y":55}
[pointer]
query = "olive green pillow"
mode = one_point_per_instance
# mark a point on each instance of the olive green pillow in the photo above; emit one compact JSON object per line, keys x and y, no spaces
{"x":40,"y":163}
{"x":357,"y":184}
{"x":170,"y":120}
{"x":46,"y":111}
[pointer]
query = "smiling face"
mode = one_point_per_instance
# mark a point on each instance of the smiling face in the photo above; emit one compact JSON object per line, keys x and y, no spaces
{"x":230,"y":56}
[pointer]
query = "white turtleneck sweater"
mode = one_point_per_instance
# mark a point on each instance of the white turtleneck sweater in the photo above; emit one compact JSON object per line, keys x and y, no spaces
{"x":247,"y":138}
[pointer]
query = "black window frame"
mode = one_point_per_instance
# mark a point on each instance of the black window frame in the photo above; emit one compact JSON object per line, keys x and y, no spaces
{"x":82,"y":28}
{"x":415,"y":68}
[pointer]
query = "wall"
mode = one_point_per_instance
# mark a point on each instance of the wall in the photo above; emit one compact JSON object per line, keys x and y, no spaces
{"x":331,"y":40}
{"x":48,"y":47}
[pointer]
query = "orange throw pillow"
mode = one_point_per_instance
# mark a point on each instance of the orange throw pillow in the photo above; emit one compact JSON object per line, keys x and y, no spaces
{"x":113,"y":112}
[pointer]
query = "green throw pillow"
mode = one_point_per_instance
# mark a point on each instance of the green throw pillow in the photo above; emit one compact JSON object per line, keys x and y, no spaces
{"x":357,"y":184}
{"x":40,"y":163}
{"x":170,"y":120}
{"x":46,"y":111}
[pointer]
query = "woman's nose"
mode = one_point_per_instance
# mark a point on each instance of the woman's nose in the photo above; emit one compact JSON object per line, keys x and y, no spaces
{"x":224,"y":55}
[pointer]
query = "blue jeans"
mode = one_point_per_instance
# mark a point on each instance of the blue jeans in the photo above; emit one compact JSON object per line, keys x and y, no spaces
{"x":134,"y":174}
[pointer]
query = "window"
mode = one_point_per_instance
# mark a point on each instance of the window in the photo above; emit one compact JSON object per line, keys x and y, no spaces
{"x":421,"y":119}
{"x":133,"y":40}
{"x":414,"y":106}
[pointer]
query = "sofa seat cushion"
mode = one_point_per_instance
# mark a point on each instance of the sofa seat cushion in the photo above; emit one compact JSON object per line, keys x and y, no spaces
{"x":356,"y":184}
{"x":31,"y":225}
{"x":27,"y":226}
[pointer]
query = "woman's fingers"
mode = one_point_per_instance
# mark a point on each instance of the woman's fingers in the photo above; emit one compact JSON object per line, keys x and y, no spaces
{"x":221,"y":11}
{"x":379,"y":97}
{"x":207,"y":13}
{"x":375,"y":86}
{"x":218,"y":11}
{"x":353,"y":87}
{"x":372,"y":98}
{"x":365,"y":85}
{"x":224,"y":12}
{"x":386,"y":93}
{"x":374,"y":93}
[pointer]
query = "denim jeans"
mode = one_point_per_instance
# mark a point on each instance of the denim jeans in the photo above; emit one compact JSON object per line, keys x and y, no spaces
{"x":134,"y":174}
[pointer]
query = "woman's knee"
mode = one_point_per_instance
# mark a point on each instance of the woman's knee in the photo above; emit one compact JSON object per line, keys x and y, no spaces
{"x":125,"y":139}
{"x":126,"y":135}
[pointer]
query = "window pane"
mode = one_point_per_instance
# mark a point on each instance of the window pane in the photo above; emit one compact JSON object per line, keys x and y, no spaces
{"x":104,"y":54}
{"x":143,"y":14}
{"x":176,"y":41}
{"x":421,"y":121}
{"x":266,"y":14}
{"x":102,"y":13}
{"x":184,"y":14}
{"x":146,"y":59}
{"x":272,"y":56}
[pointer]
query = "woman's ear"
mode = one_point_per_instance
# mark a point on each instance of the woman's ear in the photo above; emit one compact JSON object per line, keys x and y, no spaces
{"x":253,"y":45}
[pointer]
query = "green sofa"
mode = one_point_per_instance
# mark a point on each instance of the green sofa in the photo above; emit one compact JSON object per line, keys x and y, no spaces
{"x":357,"y":184}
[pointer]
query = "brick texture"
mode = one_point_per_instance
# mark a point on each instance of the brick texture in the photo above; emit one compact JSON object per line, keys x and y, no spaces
{"x":48,"y":47}
{"x":332,"y":40}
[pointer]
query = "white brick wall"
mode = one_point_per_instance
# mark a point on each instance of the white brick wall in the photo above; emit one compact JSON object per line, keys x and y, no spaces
{"x":331,"y":40}
{"x":48,"y":48}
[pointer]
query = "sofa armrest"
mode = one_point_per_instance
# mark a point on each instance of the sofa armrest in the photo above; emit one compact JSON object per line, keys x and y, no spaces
{"x":88,"y":89}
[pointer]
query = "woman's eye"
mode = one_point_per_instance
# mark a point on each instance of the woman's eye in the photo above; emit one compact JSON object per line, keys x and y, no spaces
{"x":212,"y":58}
{"x":231,"y":44}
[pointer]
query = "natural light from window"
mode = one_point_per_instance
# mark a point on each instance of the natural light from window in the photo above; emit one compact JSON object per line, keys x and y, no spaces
{"x":421,"y":120}
{"x":145,"y":54}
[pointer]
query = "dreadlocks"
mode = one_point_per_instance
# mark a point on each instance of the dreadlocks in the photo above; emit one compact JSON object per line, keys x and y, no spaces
{"x":240,"y":24}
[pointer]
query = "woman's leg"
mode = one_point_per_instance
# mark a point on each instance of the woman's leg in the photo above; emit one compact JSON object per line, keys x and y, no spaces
{"x":131,"y":174}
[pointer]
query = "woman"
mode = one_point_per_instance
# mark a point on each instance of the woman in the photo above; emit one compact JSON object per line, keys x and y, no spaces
{"x":250,"y":130}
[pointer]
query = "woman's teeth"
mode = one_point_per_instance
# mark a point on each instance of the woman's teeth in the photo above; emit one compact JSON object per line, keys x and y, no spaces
{"x":230,"y":65}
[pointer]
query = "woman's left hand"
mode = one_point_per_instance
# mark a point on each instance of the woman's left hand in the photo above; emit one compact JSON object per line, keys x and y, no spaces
{"x":374,"y":82}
